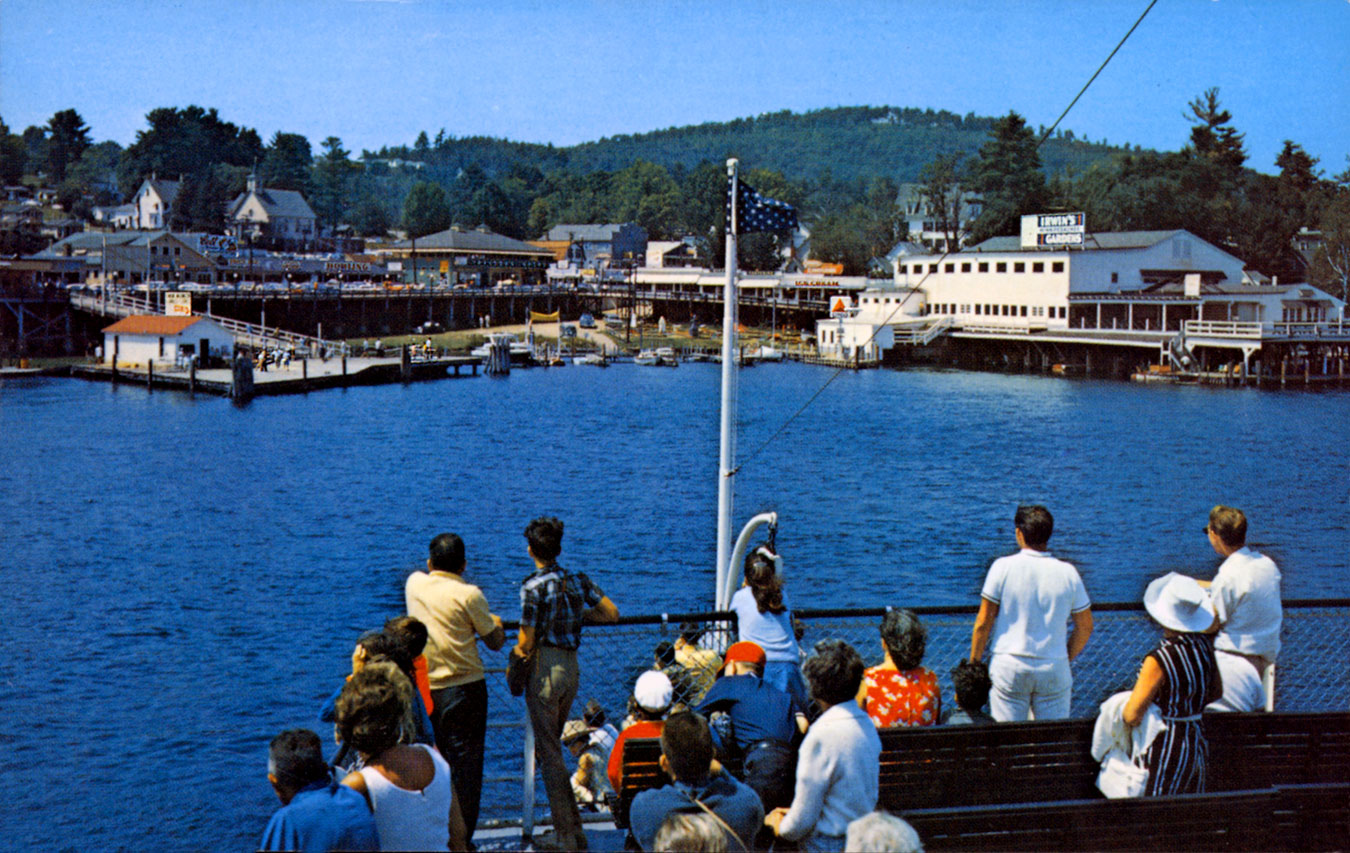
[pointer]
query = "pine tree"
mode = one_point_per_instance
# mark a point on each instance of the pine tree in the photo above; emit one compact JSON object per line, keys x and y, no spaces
{"x":1007,"y":174}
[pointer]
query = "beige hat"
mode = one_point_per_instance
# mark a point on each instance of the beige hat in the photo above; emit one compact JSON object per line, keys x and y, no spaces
{"x":1179,"y":603}
{"x":574,"y":730}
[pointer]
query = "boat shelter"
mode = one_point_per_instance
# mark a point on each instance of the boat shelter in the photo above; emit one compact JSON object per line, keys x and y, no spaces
{"x":144,"y":338}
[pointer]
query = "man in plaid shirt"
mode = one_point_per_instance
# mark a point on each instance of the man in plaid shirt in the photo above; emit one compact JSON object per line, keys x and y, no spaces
{"x":553,"y":606}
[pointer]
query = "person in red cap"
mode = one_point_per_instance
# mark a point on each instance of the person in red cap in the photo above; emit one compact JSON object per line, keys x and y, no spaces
{"x":766,"y":723}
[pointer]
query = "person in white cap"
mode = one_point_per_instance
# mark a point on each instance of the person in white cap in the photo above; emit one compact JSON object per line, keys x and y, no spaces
{"x":652,"y":693}
{"x":1181,"y":676}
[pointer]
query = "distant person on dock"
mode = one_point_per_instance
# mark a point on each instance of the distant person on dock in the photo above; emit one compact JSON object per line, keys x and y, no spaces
{"x":1026,"y":603}
{"x":456,"y":616}
{"x":316,"y":813}
{"x":687,"y":758}
{"x":554,"y":604}
{"x":1246,"y":595}
{"x":1181,"y":677}
{"x":408,"y":787}
{"x":839,"y":764}
{"x":765,"y":619}
{"x":766,"y":724}
{"x":970,"y":680}
{"x":652,"y":695}
{"x":900,"y":691}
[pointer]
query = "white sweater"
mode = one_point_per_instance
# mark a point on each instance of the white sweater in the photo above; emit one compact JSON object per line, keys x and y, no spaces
{"x":838,"y":769}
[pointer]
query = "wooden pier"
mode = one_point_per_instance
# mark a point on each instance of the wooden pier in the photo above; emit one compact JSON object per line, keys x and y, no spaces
{"x":302,"y":376}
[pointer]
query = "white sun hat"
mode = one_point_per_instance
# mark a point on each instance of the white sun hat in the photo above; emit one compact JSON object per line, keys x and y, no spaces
{"x":653,"y":691}
{"x":1178,"y":602}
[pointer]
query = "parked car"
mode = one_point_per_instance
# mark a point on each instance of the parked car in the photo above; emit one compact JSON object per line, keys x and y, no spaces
{"x":586,"y":321}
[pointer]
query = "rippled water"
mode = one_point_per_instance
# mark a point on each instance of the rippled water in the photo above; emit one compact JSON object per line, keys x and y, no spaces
{"x":185,"y":577}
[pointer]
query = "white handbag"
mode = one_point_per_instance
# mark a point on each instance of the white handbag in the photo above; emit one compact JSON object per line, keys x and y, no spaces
{"x":1120,"y":777}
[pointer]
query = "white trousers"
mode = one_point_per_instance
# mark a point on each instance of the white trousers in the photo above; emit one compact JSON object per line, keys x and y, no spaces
{"x":1029,"y":688}
{"x":1242,"y":688}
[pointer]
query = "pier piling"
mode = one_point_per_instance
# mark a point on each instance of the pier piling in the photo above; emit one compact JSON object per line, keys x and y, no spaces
{"x":149,"y":374}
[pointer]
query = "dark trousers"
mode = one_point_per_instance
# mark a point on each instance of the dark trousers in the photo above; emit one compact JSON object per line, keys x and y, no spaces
{"x":460,"y":722}
{"x":770,"y":768}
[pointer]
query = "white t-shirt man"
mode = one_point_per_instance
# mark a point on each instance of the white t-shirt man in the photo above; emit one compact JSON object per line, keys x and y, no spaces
{"x":1035,"y":596}
{"x":1246,"y":595}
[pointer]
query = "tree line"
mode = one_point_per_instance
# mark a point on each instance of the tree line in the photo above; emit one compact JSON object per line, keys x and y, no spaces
{"x":672,"y":182}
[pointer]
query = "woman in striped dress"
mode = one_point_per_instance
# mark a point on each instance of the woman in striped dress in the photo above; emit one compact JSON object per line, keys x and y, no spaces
{"x":1181,"y":676}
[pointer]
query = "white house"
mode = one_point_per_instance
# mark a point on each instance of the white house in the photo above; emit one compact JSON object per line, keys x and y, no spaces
{"x":153,"y":202}
{"x":278,"y":216}
{"x":864,"y":330}
{"x":133,"y":341}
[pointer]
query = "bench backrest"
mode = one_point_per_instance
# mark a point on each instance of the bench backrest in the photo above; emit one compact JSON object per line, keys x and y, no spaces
{"x":1303,"y":817}
{"x":1033,"y":762}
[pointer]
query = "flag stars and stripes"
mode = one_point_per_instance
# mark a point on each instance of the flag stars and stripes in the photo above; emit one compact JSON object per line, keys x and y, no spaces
{"x":756,"y":213}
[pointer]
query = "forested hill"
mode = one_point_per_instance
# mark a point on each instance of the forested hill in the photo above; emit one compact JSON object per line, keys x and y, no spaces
{"x":845,"y":143}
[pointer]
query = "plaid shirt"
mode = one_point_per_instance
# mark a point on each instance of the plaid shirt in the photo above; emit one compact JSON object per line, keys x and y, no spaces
{"x":552,"y":602}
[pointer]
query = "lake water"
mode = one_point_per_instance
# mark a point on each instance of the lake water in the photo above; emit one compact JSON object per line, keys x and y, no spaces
{"x":186,"y":577}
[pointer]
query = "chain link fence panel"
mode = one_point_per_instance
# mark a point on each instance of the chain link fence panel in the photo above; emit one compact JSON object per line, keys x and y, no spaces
{"x":1311,"y":674}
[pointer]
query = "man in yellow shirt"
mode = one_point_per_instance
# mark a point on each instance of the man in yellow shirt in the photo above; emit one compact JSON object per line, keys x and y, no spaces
{"x":457,"y":616}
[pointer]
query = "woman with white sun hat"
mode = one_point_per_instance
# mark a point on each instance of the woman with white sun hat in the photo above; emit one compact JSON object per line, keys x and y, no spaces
{"x":1181,"y":676}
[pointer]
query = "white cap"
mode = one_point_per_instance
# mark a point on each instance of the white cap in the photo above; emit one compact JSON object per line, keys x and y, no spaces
{"x":653,"y":691}
{"x":1178,"y":602}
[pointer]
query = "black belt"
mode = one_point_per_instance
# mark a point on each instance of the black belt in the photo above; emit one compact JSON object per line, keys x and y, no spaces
{"x":768,"y":743}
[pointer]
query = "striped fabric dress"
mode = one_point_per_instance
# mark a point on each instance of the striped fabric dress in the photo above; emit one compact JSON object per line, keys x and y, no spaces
{"x":1176,"y":759}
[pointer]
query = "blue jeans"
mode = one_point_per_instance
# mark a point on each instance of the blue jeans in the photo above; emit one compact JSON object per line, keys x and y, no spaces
{"x":787,"y":676}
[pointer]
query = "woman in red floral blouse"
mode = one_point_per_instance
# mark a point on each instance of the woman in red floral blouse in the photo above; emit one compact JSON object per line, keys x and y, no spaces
{"x":900,"y":692}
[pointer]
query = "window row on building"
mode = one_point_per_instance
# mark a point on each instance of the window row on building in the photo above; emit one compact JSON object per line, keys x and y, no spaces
{"x":983,"y":266}
{"x":987,"y":310}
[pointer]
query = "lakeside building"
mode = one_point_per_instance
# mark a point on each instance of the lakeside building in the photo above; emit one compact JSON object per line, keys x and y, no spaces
{"x":153,"y":202}
{"x":144,"y":338}
{"x":1133,"y":280}
{"x":281,"y":218}
{"x":127,"y":257}
{"x":922,"y":222}
{"x":599,"y":246}
{"x":479,"y":257}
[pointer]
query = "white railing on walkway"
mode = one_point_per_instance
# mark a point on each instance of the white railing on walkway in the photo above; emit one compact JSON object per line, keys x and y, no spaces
{"x":249,"y":334}
{"x":1257,"y":331}
{"x":924,"y":336}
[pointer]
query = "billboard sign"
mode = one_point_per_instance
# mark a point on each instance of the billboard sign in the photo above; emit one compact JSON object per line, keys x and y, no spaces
{"x":178,"y":303}
{"x":1053,"y":230}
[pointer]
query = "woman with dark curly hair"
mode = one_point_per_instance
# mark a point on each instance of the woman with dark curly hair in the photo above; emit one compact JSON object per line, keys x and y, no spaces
{"x":839,"y":763}
{"x":899,"y":691}
{"x":408,"y":786}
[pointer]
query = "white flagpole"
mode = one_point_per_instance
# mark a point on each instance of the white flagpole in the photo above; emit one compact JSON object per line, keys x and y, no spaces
{"x":727,"y":457}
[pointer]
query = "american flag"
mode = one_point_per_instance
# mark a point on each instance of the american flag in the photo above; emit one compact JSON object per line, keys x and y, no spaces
{"x":755,"y":213}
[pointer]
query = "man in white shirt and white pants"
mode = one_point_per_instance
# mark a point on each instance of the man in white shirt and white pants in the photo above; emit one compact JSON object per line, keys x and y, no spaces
{"x":1026,"y":604}
{"x":1246,"y":595}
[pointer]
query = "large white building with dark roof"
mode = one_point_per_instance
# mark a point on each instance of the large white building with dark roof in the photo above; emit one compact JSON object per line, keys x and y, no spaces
{"x":477,"y":256}
{"x":280,"y":217}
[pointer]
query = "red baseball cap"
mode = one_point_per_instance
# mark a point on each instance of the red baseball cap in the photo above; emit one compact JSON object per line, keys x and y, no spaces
{"x":746,"y":652}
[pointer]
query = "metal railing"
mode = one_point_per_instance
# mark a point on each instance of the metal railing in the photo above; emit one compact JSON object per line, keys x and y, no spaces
{"x":1315,"y":642}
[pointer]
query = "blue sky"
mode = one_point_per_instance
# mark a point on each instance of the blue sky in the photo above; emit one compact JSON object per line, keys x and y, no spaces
{"x":375,"y":72}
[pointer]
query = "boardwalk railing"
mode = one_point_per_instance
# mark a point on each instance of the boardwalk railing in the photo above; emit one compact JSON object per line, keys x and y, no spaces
{"x":1315,"y":645}
{"x":252,"y":335}
{"x":1258,"y":331}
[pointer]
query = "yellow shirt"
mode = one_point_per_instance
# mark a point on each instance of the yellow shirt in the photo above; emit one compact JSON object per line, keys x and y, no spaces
{"x":456,"y":615}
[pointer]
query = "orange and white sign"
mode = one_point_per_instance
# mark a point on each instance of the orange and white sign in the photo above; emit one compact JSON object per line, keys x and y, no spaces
{"x":178,"y":303}
{"x":840,"y":306}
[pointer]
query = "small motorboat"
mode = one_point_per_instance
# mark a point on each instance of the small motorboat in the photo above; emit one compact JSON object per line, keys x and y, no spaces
{"x":666,"y":357}
{"x":592,"y":358}
{"x":647,"y":358}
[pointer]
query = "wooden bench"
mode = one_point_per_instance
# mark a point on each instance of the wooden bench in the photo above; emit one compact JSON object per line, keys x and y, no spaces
{"x":1303,"y":817}
{"x":941,"y":767}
